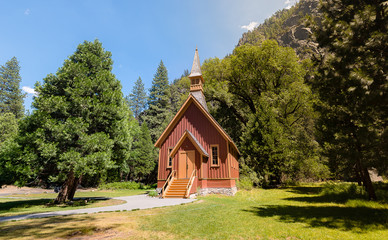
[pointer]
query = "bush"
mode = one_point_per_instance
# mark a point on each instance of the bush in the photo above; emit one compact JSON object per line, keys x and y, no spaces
{"x":341,"y":192}
{"x":245,"y":183}
{"x":122,"y":185}
{"x":152,"y":193}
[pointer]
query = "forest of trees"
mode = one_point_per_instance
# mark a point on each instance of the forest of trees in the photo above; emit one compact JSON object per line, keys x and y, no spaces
{"x":294,"y":118}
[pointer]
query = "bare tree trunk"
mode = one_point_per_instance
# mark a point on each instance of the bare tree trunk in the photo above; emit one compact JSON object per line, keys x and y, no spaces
{"x":64,"y":193}
{"x":368,"y":185}
{"x":358,"y":174}
{"x":367,"y":182}
{"x":73,"y":188}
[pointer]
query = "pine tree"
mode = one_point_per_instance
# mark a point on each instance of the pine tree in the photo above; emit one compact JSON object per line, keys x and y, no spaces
{"x":352,"y":84}
{"x":137,"y":100}
{"x":11,"y":97}
{"x":158,"y":113}
{"x":80,"y":125}
{"x":142,"y":161}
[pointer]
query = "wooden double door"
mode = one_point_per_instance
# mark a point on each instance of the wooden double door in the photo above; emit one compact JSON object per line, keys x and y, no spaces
{"x":186,"y":163}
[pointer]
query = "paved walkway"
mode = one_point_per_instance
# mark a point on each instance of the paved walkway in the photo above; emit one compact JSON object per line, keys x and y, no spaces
{"x":132,"y":202}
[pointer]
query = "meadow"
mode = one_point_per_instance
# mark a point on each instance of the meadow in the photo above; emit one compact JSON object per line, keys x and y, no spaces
{"x":314,"y":211}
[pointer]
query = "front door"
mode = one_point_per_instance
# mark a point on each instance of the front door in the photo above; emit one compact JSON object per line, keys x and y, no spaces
{"x":186,"y":163}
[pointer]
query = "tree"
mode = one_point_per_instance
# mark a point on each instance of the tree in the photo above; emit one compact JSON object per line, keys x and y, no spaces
{"x":259,"y":94}
{"x":80,"y":123}
{"x":158,"y":113}
{"x":138,"y":98}
{"x":142,"y":160}
{"x":11,"y":97}
{"x":352,"y":84}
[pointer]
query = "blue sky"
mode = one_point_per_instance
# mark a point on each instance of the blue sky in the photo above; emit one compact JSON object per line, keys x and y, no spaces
{"x":42,"y":34}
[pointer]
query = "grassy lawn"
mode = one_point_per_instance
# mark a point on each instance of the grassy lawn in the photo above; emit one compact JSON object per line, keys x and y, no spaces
{"x":290,"y":213}
{"x":34,"y":203}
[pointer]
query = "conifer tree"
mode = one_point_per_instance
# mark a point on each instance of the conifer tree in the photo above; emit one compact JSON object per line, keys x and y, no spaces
{"x":80,"y":125}
{"x":11,"y":97}
{"x":137,"y":100}
{"x":352,"y":83}
{"x":142,"y":161}
{"x":158,"y":113}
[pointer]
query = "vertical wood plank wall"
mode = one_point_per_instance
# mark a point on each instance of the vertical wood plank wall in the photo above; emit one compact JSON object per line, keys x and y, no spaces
{"x":194,"y":121}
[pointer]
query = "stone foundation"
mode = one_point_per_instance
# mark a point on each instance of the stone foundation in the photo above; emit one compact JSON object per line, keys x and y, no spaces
{"x":226,"y":191}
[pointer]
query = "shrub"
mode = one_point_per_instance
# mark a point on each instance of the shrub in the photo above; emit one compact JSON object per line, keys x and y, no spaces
{"x":245,"y":183}
{"x":152,"y":193}
{"x":121,"y":185}
{"x":341,"y":192}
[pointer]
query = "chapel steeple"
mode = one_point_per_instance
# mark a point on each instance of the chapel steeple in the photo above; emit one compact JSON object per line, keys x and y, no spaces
{"x":196,"y":81}
{"x":195,"y":76}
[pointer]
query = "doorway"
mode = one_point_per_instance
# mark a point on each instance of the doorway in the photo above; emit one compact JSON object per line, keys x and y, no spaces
{"x":186,"y":163}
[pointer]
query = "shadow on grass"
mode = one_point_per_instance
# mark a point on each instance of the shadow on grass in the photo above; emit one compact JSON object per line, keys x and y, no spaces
{"x":305,"y":190}
{"x":52,"y":227}
{"x":358,"y":219}
{"x":46,"y":204}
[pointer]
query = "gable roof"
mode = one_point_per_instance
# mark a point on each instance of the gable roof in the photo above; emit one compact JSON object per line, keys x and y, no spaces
{"x":193,"y":139}
{"x":182,"y":110}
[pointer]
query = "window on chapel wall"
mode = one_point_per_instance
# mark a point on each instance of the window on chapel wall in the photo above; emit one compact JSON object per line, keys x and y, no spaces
{"x":214,"y":155}
{"x":169,"y":160}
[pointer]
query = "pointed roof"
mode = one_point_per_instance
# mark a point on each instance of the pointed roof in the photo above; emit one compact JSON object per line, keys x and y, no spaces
{"x":182,"y":110}
{"x":200,"y":98}
{"x":196,"y":68}
{"x":193,"y":139}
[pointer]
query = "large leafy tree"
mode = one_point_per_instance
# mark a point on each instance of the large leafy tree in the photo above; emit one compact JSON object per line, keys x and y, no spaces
{"x":259,"y":95}
{"x":138,"y":98}
{"x":11,"y":97}
{"x":159,"y":108}
{"x":80,"y":125}
{"x":353,"y":86}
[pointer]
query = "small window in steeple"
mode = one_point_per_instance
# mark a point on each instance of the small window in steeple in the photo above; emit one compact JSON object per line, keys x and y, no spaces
{"x":197,"y":81}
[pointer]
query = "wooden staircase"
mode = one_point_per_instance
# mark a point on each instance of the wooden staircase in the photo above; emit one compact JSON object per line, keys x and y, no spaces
{"x":177,"y":189}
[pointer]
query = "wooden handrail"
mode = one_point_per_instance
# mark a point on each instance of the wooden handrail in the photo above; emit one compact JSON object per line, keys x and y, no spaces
{"x":190,"y":184}
{"x":168,"y":182}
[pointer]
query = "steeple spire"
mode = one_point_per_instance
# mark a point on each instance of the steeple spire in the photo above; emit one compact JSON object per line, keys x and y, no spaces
{"x":196,"y":74}
{"x":196,"y":68}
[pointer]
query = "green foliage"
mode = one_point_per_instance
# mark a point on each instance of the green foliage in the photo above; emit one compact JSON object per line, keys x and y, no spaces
{"x":341,"y":192}
{"x":153,"y":193}
{"x":80,"y":123}
{"x":137,"y":100}
{"x":244,"y":183}
{"x":352,"y":86}
{"x":180,"y":89}
{"x":143,"y":154}
{"x":123,"y":185}
{"x":259,"y":96}
{"x":11,"y":97}
{"x":158,"y":113}
{"x":8,"y":127}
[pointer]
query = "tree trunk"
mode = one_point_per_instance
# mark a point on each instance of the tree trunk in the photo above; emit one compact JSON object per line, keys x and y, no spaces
{"x":63,"y":193}
{"x":73,"y":188}
{"x":68,"y":188}
{"x":367,"y":182}
{"x":358,"y":174}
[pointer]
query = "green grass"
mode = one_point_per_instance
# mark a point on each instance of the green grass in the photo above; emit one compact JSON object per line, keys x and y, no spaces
{"x":95,"y":193}
{"x":291,"y":213}
{"x":315,"y":211}
{"x":34,"y":203}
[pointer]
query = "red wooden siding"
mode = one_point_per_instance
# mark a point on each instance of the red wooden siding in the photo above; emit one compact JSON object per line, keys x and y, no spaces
{"x":206,"y":134}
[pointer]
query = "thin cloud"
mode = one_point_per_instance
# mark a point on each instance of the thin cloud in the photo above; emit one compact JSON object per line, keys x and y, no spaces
{"x":290,"y":3}
{"x":250,"y":26}
{"x":27,"y":11}
{"x":29,"y":90}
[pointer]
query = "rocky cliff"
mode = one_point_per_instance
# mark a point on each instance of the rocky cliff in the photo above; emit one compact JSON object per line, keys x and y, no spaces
{"x":288,"y":27}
